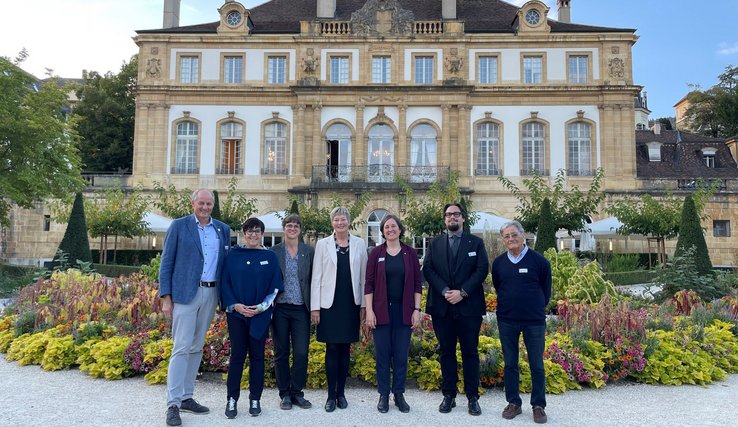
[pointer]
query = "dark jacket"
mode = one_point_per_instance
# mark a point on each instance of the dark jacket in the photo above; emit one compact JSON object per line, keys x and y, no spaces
{"x":468,"y":273}
{"x":376,"y":283}
{"x":305,"y":254}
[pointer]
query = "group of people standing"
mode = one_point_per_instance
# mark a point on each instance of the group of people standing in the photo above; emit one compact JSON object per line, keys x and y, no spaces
{"x":339,"y":287}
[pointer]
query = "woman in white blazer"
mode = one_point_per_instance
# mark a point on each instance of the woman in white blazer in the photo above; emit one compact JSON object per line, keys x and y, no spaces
{"x":337,"y":300}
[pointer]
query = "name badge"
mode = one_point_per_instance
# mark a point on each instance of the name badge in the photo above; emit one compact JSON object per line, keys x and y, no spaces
{"x":472,"y":254}
{"x":522,"y":270}
{"x":264,"y":262}
{"x":380,"y":260}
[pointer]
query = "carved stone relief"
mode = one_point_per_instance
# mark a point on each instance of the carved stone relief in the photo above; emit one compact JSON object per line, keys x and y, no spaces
{"x":382,"y":17}
{"x":153,"y":67}
{"x":616,"y":68}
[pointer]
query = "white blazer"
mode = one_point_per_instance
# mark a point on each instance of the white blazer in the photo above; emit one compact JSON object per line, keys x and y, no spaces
{"x":323,"y":285}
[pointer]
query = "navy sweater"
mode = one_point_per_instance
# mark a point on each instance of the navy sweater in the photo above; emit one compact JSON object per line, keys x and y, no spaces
{"x":249,"y":276}
{"x":523,"y":289}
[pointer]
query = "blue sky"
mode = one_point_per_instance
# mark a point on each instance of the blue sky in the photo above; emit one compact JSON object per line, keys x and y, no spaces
{"x":681,"y":42}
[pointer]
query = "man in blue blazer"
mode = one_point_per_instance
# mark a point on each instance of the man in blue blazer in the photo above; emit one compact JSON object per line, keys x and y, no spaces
{"x":455,"y":268}
{"x":194,"y":249}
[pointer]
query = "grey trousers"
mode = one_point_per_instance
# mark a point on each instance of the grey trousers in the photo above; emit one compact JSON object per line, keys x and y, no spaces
{"x":190,"y":323}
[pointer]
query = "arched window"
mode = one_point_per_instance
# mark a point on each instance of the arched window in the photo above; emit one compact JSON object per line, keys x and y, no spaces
{"x":275,"y":149}
{"x":231,"y":143}
{"x":580,"y":149}
{"x":338,"y":152}
{"x":423,"y":148}
{"x":186,"y":150}
{"x":488,"y":149}
{"x":381,"y":154}
{"x":533,"y":149}
{"x":374,"y":232}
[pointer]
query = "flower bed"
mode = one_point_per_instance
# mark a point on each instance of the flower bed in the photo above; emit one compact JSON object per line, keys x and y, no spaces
{"x":113,"y":329}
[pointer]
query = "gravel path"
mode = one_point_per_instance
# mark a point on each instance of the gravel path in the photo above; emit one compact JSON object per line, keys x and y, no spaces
{"x":30,"y":396}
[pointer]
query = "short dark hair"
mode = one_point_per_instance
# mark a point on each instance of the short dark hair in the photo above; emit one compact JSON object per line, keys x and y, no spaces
{"x":252,"y":223}
{"x":292,"y":218}
{"x":397,"y":220}
{"x":458,"y":205}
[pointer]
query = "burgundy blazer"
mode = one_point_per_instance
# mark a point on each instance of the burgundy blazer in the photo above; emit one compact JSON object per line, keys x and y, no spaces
{"x":376,"y":283}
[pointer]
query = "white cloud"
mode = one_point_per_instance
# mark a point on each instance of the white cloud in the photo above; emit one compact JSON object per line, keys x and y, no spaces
{"x":727,"y":49}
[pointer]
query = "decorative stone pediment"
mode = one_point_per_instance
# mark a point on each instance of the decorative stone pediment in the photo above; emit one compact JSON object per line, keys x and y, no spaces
{"x":382,"y":17}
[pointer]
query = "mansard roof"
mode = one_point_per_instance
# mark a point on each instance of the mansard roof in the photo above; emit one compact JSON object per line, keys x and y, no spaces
{"x":681,"y":156}
{"x":479,"y":16}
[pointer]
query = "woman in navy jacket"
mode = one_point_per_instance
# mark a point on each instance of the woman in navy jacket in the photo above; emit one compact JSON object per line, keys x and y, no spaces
{"x":393,"y":292}
{"x":250,"y":281}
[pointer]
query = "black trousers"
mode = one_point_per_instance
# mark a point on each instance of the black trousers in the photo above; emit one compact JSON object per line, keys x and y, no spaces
{"x":241,"y":344}
{"x":291,"y":334}
{"x":337,"y":359}
{"x":465,"y":330}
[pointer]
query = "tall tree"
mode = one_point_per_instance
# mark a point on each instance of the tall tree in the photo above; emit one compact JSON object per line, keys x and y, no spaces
{"x":38,"y":146}
{"x":692,"y":235}
{"x":714,"y":112}
{"x":105,"y":117}
{"x":546,"y":235}
{"x":665,"y":123}
{"x":216,"y":206}
{"x":75,"y":243}
{"x":570,"y":207}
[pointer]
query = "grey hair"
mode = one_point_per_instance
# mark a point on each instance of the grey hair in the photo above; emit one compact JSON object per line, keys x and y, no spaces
{"x":198,"y":191}
{"x":515,"y":224}
{"x":340,"y":210}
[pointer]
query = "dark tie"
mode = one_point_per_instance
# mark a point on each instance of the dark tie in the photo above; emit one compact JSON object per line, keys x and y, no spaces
{"x":454,"y":246}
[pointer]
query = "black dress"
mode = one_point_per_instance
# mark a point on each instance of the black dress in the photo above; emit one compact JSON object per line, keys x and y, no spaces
{"x":340,"y":323}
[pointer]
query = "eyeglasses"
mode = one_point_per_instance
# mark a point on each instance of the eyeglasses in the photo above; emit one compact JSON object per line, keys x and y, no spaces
{"x":253,"y":232}
{"x":292,"y":226}
{"x":452,"y":214}
{"x":511,"y":236}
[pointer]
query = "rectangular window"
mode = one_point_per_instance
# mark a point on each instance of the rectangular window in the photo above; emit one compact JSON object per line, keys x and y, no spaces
{"x":423,"y":69}
{"x":721,"y":228}
{"x":709,"y":160}
{"x":578,"y":68}
{"x":47,"y":222}
{"x":189,"y":69}
{"x":488,"y":69}
{"x":533,"y":69}
{"x":276,"y":69}
{"x":232,"y":69}
{"x":339,"y":69}
{"x":381,"y":67}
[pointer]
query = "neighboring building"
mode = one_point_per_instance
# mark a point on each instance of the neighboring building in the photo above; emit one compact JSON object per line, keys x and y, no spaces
{"x":672,"y":160}
{"x":640,"y":105}
{"x":680,"y":109}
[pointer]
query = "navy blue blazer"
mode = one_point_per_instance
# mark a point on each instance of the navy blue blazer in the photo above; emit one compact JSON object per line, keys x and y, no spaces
{"x":182,"y":259}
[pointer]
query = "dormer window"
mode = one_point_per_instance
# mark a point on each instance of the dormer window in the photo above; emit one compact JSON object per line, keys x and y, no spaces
{"x":654,"y":151}
{"x":708,"y":156}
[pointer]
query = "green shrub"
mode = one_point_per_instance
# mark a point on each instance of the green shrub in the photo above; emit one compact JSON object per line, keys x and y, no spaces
{"x":59,"y":354}
{"x":130,"y":257}
{"x":316,"y":365}
{"x":108,"y":359}
{"x":623,"y":262}
{"x":624,"y":278}
{"x":112,"y":270}
{"x":13,"y":277}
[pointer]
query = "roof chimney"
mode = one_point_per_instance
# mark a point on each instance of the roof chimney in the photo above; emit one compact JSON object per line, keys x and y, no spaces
{"x":656,"y":128}
{"x":327,"y":9}
{"x":171,"y":14}
{"x":448,"y":9}
{"x":564,"y":11}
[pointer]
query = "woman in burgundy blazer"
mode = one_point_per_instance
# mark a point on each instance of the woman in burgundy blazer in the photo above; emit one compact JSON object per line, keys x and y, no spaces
{"x":393,"y":293}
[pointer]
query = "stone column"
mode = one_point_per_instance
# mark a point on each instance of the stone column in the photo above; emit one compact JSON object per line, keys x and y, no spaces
{"x":300,"y":160}
{"x":359,"y":151}
{"x":444,"y":150}
{"x":401,"y":151}
{"x":318,"y":143}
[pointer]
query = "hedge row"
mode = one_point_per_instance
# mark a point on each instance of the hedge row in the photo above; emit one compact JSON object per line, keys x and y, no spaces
{"x":630,"y":277}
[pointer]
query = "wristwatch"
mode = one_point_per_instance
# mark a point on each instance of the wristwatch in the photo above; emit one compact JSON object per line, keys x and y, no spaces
{"x":463,"y":294}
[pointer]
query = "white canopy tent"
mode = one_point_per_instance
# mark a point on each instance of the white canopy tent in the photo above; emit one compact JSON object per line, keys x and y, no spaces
{"x":273,"y":221}
{"x":487,"y":222}
{"x":604,"y":228}
{"x":157,"y":223}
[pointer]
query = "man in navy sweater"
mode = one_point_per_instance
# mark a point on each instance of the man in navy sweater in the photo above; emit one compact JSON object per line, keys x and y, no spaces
{"x":522,"y":279}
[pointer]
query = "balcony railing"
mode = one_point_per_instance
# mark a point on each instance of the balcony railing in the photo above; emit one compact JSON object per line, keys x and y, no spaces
{"x":335,"y":28}
{"x":376,"y":176}
{"x":428,"y":27}
{"x":534,"y":171}
{"x":228,"y":170}
{"x":107,"y":179}
{"x":580,"y":172}
{"x":274,"y":171}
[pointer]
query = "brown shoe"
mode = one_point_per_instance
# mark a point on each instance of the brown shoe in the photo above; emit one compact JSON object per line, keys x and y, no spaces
{"x":511,"y":411}
{"x":539,"y":415}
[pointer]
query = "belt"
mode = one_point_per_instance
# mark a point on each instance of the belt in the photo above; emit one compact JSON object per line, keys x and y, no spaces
{"x":207,"y":284}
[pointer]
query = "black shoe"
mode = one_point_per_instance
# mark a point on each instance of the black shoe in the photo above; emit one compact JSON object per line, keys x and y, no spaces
{"x":190,"y":405}
{"x":401,"y":403}
{"x":301,"y":402}
{"x":447,"y":404}
{"x":231,"y":408}
{"x":341,"y":402}
{"x":254,"y":408}
{"x":173,"y":418}
{"x":383,"y":404}
{"x":474,"y":408}
{"x":286,"y":403}
{"x":330,"y":405}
